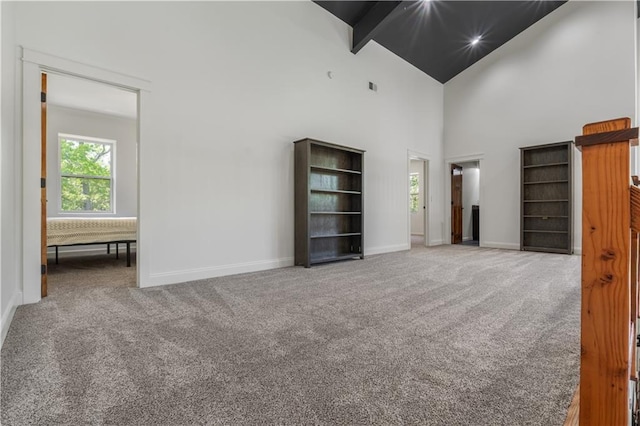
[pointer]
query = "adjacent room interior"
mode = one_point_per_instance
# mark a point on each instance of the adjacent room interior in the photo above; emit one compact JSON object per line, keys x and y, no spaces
{"x":469,"y":198}
{"x":92,"y":189}
{"x":320,"y":282}
{"x":418,"y":196}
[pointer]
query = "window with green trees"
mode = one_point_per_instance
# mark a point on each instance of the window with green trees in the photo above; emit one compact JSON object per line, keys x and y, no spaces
{"x":414,"y":192}
{"x":86,"y":174}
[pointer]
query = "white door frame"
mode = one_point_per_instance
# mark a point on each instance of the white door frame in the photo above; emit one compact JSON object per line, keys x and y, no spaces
{"x":413,"y":155}
{"x":33,"y":64}
{"x":447,"y":193}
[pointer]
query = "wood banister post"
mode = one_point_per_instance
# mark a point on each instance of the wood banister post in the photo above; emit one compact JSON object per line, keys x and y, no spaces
{"x":605,"y":338}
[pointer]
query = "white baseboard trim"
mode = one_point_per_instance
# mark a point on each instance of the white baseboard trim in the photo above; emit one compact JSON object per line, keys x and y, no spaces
{"x":435,"y":243}
{"x":174,"y":277}
{"x":467,"y":238}
{"x":386,"y":249}
{"x":7,"y":317}
{"x":493,"y":244}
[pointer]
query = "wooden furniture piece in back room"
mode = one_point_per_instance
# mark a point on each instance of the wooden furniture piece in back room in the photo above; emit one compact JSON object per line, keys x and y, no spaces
{"x":607,"y":394}
{"x":329,"y":217}
{"x":546,"y":221}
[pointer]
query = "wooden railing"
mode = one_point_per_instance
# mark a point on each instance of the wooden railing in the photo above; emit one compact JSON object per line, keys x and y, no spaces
{"x":610,"y":225}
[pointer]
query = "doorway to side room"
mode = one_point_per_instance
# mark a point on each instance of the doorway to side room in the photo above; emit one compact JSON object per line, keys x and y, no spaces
{"x":465,"y":203}
{"x":456,"y":204}
{"x":418,"y":202}
{"x":34,"y":104}
{"x":89,"y":135}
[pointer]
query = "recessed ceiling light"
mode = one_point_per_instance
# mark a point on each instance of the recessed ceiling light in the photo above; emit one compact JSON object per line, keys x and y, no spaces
{"x":476,"y":40}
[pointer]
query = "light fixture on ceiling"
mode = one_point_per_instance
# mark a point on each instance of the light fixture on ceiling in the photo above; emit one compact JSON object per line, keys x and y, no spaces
{"x":476,"y":40}
{"x":426,"y":5}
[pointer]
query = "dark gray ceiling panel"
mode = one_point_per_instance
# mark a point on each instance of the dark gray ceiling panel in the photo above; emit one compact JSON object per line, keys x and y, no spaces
{"x":435,"y":36}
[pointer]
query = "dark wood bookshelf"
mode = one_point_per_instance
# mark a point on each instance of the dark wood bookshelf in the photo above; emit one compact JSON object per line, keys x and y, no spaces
{"x":329,"y":218}
{"x":546,"y":204}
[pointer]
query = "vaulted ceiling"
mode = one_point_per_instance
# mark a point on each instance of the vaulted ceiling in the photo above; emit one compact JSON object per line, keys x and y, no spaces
{"x":438,"y":36}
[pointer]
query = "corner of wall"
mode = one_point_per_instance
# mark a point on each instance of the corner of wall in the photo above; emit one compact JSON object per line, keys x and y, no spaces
{"x":10,"y":294}
{"x":1,"y":321}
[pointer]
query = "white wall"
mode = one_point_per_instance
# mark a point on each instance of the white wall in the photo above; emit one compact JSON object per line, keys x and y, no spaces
{"x":573,"y":67}
{"x":417,"y":218}
{"x":232,"y":85}
{"x":470,"y":196}
{"x":2,"y":306}
{"x":86,"y":123}
{"x":10,"y":155}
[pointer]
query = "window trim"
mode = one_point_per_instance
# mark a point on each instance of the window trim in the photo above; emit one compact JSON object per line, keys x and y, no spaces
{"x":411,"y":194}
{"x":112,"y":178}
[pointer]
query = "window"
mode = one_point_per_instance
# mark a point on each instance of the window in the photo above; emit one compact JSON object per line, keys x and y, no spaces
{"x":414,"y":192}
{"x":86,"y":174}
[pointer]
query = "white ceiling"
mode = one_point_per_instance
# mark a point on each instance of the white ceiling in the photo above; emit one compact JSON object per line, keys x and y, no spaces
{"x":89,"y":95}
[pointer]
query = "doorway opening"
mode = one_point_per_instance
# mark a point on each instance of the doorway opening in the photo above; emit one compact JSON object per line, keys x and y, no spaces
{"x":465,"y":203}
{"x":418,"y":202}
{"x":33,"y":65}
{"x":90,"y":189}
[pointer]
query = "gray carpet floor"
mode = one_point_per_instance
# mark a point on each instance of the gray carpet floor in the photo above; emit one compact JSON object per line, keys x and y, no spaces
{"x":452,"y":335}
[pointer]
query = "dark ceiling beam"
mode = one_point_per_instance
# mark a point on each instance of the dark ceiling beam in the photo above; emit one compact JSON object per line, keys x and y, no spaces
{"x":372,"y":23}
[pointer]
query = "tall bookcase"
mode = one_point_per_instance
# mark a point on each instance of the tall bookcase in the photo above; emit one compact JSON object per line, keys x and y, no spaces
{"x":329,"y":216}
{"x":546,"y":198}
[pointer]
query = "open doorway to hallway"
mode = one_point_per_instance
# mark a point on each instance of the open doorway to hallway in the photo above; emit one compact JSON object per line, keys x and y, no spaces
{"x":465,"y":202}
{"x":418,"y":211}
